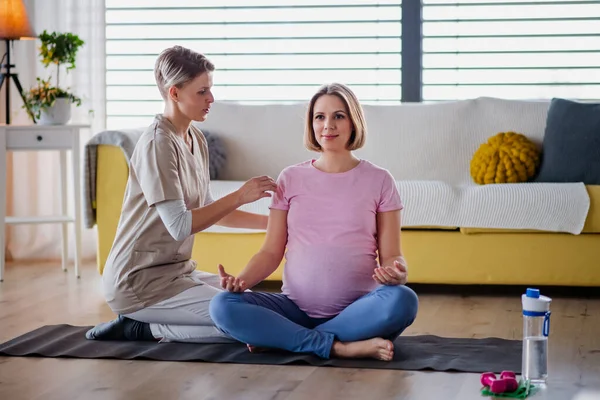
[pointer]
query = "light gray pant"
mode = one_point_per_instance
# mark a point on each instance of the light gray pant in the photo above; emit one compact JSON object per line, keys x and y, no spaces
{"x":185,"y":317}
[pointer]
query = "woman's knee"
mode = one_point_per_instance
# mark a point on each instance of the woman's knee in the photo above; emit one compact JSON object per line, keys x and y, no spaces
{"x":401,"y":304}
{"x":220,"y":307}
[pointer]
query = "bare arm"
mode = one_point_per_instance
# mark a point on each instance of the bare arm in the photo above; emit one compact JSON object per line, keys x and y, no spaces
{"x":243,"y":219}
{"x":252,"y":190}
{"x":388,"y":237}
{"x":207,"y":216}
{"x":266,"y":261}
{"x":393,"y":266}
{"x":178,"y":219}
{"x":268,"y":258}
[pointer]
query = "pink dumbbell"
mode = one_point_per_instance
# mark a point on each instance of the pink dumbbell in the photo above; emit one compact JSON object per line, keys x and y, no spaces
{"x":506,"y":383}
{"x":508,"y":374}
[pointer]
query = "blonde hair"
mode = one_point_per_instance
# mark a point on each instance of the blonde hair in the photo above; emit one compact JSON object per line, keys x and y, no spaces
{"x":357,"y":117}
{"x":178,"y":65}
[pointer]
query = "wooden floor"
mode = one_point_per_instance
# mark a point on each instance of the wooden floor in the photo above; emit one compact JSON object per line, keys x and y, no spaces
{"x":36,"y":295}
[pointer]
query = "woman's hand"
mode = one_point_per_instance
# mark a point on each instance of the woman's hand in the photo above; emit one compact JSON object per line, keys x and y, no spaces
{"x":256,"y":188}
{"x":391,"y":276}
{"x":230,"y":282}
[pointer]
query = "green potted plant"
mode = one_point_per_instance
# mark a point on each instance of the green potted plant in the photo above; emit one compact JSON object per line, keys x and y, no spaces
{"x":50,"y":104}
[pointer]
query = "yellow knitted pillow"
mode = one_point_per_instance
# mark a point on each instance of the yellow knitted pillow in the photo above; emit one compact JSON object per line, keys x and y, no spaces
{"x":507,"y":157}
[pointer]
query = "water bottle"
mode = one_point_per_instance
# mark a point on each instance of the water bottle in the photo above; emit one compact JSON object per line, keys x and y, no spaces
{"x":536,"y":327}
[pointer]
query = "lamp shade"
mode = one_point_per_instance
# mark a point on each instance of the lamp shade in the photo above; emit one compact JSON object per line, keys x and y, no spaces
{"x":14,"y":24}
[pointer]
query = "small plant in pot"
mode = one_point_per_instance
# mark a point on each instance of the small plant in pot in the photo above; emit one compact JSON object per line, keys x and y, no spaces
{"x":50,"y":104}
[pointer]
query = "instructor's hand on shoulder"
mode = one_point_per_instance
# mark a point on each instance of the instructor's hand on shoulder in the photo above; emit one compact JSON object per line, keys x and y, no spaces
{"x":256,"y":188}
{"x":230,"y":282}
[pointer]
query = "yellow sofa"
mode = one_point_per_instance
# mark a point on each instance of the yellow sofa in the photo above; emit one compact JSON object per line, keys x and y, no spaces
{"x":435,"y":255}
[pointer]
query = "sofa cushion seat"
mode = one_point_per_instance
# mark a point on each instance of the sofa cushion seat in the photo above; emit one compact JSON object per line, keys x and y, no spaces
{"x":592,"y":222}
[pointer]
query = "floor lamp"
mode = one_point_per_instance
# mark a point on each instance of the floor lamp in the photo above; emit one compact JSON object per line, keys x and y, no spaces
{"x":14,"y":25}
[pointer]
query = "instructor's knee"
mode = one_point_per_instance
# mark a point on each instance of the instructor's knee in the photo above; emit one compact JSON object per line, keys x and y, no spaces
{"x":402,"y":305}
{"x":220,"y":308}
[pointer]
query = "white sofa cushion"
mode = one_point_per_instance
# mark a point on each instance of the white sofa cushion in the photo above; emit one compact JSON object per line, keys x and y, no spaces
{"x":415,"y":141}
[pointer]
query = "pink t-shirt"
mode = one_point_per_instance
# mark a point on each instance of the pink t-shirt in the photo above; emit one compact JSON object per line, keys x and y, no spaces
{"x":332,"y":233}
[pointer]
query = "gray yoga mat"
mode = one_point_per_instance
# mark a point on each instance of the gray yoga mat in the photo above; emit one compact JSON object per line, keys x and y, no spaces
{"x":426,"y":352}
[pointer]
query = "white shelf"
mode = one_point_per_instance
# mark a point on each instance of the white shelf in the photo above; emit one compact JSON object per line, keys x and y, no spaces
{"x":39,"y":220}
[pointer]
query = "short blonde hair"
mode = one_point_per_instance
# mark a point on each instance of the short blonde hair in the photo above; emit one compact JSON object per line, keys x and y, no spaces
{"x":357,"y":117}
{"x":178,"y":65}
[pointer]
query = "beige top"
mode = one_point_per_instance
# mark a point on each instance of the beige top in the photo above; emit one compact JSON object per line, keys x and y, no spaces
{"x":146,"y":265}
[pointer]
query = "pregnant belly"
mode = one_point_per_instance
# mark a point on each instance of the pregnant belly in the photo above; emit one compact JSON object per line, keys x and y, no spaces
{"x":323,"y":281}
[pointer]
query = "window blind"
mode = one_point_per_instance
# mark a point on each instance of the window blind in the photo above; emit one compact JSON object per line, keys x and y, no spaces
{"x":511,"y":49}
{"x":265,"y":51}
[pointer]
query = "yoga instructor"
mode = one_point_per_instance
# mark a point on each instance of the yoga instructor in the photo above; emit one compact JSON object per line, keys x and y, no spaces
{"x":149,"y":279}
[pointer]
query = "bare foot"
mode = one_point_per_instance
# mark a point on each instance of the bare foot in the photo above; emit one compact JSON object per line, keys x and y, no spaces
{"x":377,"y":348}
{"x":254,"y":349}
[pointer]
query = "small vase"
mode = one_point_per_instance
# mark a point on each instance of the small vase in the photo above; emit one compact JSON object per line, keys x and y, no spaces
{"x":58,"y":114}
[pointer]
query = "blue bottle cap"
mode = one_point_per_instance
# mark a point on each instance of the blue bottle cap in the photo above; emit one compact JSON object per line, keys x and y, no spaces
{"x":533,"y":293}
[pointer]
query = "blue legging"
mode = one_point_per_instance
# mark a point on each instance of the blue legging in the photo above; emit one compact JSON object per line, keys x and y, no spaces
{"x":272,"y":320}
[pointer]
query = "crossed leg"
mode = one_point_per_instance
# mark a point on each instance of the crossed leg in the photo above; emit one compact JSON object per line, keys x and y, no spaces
{"x":363,"y":329}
